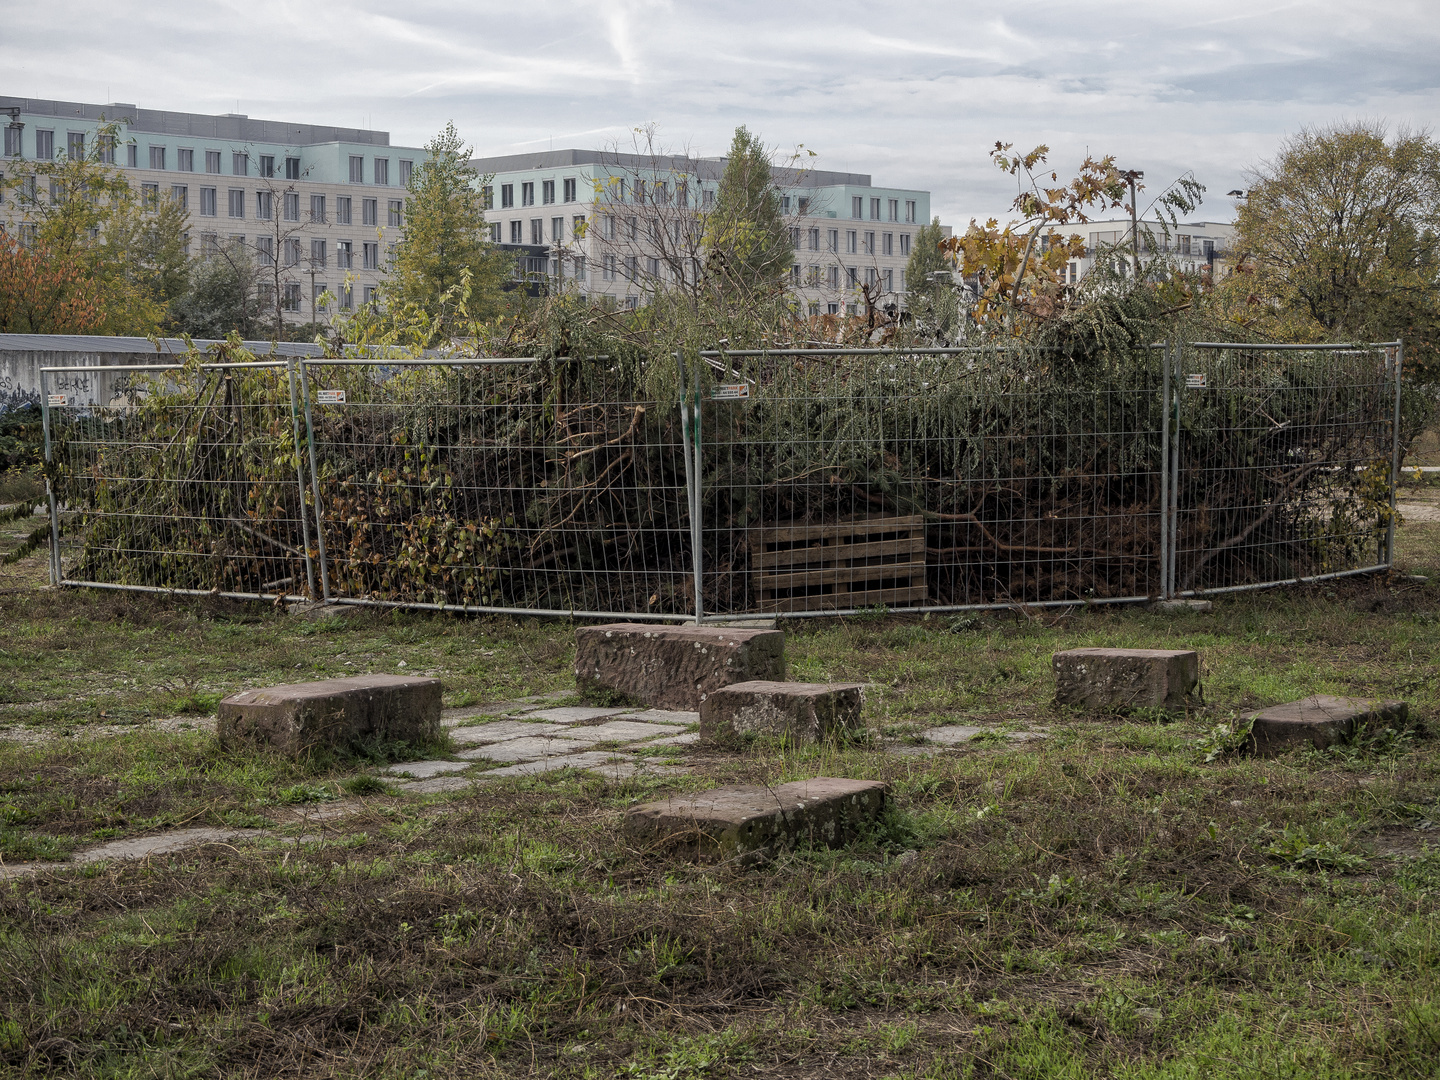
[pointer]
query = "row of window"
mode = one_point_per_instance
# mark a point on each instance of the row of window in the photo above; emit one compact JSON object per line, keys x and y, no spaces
{"x":856,"y":242}
{"x":815,"y":277}
{"x":290,"y":205}
{"x":292,"y":252}
{"x":537,"y":230}
{"x":892,"y":209}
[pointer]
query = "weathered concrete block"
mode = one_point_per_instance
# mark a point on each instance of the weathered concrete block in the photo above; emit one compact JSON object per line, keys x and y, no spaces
{"x":733,"y":821}
{"x":674,"y":667}
{"x":1319,"y":721}
{"x":303,"y":717}
{"x":1126,"y":678}
{"x":803,"y":712}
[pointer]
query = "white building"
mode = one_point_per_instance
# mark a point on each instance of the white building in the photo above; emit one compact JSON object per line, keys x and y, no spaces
{"x":1196,"y":246}
{"x":619,"y":225}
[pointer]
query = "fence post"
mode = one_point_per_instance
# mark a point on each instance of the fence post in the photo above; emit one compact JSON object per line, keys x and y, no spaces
{"x":55,"y":568}
{"x":1394,"y":454}
{"x":314,"y":483}
{"x":300,"y":476}
{"x":1165,"y":473}
{"x":1176,"y":384}
{"x":689,"y":423}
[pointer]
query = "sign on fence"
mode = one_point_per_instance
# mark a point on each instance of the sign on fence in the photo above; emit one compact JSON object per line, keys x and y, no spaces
{"x":1195,"y":381}
{"x":57,"y":399}
{"x":730,"y":392}
{"x":330,"y":397}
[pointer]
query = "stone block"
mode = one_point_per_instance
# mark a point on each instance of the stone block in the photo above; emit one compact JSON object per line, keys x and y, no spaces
{"x":1320,"y":721}
{"x":801,"y":712}
{"x":304,"y":717}
{"x":1182,"y":607}
{"x":1126,"y":678}
{"x":674,"y":667}
{"x":740,"y":821}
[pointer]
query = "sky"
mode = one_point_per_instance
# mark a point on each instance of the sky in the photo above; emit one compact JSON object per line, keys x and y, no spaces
{"x":914,"y":93}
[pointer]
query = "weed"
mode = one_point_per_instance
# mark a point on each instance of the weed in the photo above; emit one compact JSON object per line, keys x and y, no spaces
{"x":366,"y":784}
{"x":1296,"y":848}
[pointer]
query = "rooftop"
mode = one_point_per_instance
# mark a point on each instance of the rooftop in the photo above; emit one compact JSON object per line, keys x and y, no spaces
{"x":707,"y":168}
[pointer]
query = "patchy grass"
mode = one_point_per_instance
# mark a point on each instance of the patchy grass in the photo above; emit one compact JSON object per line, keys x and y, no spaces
{"x":1104,"y":902}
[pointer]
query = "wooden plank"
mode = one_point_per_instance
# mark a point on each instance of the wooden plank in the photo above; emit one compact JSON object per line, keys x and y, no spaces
{"x":836,"y":552}
{"x":819,"y":602}
{"x":834,"y":575}
{"x":853,"y":527}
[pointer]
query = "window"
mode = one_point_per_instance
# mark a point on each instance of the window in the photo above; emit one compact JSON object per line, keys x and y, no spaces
{"x":209,"y":243}
{"x":834,"y":279}
{"x":370,"y":294}
{"x":344,"y":255}
{"x":630,"y":303}
{"x":889,"y":275}
{"x":516,"y":233}
{"x":527,"y":194}
{"x":265,"y":250}
{"x":852,"y":242}
{"x":609,"y":226}
{"x":570,"y":189}
{"x":507,"y":196}
{"x":180,"y":196}
{"x":887,"y":244}
{"x":44,"y":145}
{"x":632,"y":268}
{"x":106,"y":144}
{"x":795,"y":273}
{"x":785,"y":204}
{"x":317,"y":254}
{"x":662,"y":193}
{"x":577,"y":227}
{"x":804,"y":205}
{"x":292,"y":206}
{"x":75,"y":145}
{"x":814,"y":239}
{"x":237,"y":203}
{"x":852,"y":309}
{"x":1183,"y":245}
{"x":342,"y":210}
{"x":682,"y":193}
{"x":580,"y":268}
{"x":870,"y":276}
{"x":851,"y":277}
{"x":357,"y":169}
{"x":291,"y":298}
{"x":537,"y":230}
{"x":369,"y":212}
{"x":857,"y":206}
{"x":157,"y":157}
{"x":652,"y":267}
{"x":874,"y":209}
{"x":264,"y":205}
{"x":382,"y":171}
{"x":487,"y":198}
{"x":395,"y":218}
{"x":910,"y":210}
{"x":132,"y":154}
{"x":795,"y":238}
{"x":185,"y":160}
{"x":267,"y":165}
{"x":633,"y":227}
{"x":347,"y":297}
{"x":495,"y":232}
{"x":291,"y":252}
{"x":317,"y":208}
{"x":149,"y":195}
{"x":894,"y":207}
{"x":212,"y":160}
{"x":407,"y":170}
{"x":637,"y":191}
{"x":292,"y":168}
{"x":607,"y":268}
{"x":904,"y":243}
{"x":708,"y":199}
{"x":207,"y":202}
{"x":370,"y":256}
{"x":547,"y":191}
{"x":239,"y":164}
{"x":557,"y":230}
{"x":832,"y":240}
{"x":812,"y":276}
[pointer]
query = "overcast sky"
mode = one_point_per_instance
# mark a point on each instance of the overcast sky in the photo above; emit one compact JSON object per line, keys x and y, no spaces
{"x":913,"y":93}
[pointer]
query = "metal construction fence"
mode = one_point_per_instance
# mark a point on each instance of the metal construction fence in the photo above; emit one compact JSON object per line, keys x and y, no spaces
{"x":732,"y":483}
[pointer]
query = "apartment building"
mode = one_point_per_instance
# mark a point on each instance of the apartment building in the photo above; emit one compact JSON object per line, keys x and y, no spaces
{"x":323,"y":204}
{"x":1197,"y":246}
{"x":620,"y":225}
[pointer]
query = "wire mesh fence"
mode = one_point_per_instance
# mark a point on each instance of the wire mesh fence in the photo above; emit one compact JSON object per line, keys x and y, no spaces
{"x":729,"y":484}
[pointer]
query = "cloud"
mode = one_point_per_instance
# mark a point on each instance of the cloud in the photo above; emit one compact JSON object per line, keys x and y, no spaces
{"x":913,"y":93}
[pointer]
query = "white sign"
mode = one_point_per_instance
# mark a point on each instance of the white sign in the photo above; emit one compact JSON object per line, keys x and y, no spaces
{"x":731,"y":392}
{"x":330,"y":397}
{"x":57,"y":399}
{"x":1195,"y":382}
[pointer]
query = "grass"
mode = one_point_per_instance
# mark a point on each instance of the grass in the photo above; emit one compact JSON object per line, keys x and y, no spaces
{"x":1103,"y":902}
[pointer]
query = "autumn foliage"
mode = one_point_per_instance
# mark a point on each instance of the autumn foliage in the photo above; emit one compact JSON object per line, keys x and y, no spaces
{"x":45,"y":293}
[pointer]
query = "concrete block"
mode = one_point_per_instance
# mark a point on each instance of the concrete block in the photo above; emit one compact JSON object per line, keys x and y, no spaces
{"x":1182,"y":607}
{"x":802,"y":712}
{"x":1126,"y":678}
{"x":737,"y":821}
{"x":674,"y":667}
{"x":304,"y":717}
{"x":1320,"y":721}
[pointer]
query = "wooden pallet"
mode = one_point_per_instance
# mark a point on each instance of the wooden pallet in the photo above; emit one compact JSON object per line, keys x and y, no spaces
{"x":857,"y":562}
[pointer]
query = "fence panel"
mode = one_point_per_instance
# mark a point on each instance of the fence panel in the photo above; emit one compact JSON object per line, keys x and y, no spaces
{"x":184,"y":479}
{"x":833,"y":481}
{"x":499,"y":485}
{"x":1284,"y":461}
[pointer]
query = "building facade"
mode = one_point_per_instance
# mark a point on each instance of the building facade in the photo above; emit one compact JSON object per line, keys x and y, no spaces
{"x":1196,"y":247}
{"x":619,"y":225}
{"x":317,"y":208}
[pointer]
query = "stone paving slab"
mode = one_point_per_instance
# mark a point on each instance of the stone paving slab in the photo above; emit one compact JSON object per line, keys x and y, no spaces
{"x":587,"y":760}
{"x":623,"y":770}
{"x":439,"y":784}
{"x":500,"y":730}
{"x":138,"y":847}
{"x":663,"y":716}
{"x":952,"y":734}
{"x":615,"y":730}
{"x":423,"y":770}
{"x":688,"y":738}
{"x":525,"y":749}
{"x":573,"y":714}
